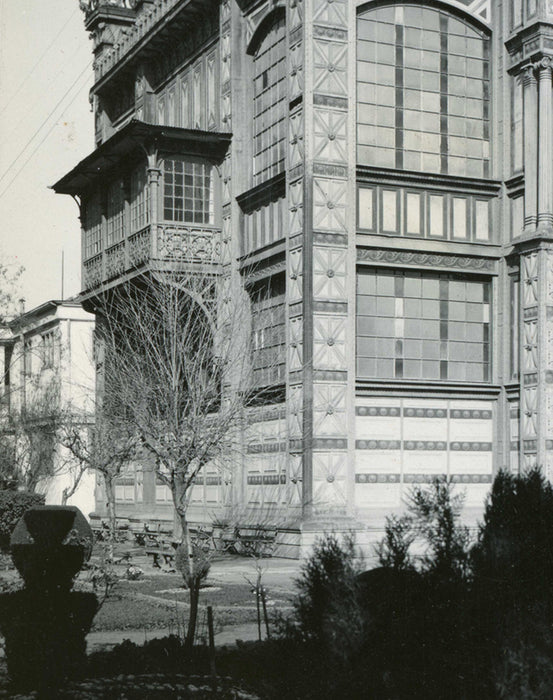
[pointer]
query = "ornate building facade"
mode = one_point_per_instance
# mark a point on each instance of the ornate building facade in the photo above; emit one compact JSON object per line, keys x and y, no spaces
{"x":378,"y":175}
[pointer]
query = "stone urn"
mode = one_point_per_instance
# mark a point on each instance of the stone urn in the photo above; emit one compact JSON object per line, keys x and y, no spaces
{"x":46,"y":623}
{"x":50,"y":545}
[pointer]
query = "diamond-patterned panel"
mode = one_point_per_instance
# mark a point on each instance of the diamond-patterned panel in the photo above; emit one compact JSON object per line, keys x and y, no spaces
{"x":329,"y":342}
{"x":329,"y":479}
{"x":329,"y":135}
{"x":329,"y":410}
{"x":295,"y":274}
{"x":333,"y":12}
{"x":330,"y":67}
{"x":329,"y":205}
{"x":329,"y":274}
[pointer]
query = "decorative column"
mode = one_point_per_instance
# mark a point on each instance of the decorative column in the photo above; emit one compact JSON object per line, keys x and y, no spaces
{"x":545,"y":152}
{"x":321,"y":198}
{"x":536,"y":270}
{"x":154,"y":176}
{"x":530,"y":97}
{"x":297,"y":292}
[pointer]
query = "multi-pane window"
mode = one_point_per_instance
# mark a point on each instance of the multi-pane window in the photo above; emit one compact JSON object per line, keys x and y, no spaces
{"x":115,"y":212}
{"x":414,"y":325}
{"x":187,"y":192}
{"x":92,"y":227}
{"x":139,"y":200}
{"x":422,"y":91}
{"x":268,"y":333}
{"x":128,"y":487}
{"x":269,"y":104}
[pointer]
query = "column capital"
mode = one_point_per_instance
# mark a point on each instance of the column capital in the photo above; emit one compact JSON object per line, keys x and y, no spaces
{"x":153,"y":174}
{"x":543,"y":67}
{"x":528,"y":73}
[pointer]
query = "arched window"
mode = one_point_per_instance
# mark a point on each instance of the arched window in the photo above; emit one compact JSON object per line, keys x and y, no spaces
{"x":269,"y":103}
{"x":422,"y":91}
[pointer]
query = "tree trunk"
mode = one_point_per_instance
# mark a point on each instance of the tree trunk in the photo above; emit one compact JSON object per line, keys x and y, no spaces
{"x":110,"y":496}
{"x":190,"y":577}
{"x":193,"y":616}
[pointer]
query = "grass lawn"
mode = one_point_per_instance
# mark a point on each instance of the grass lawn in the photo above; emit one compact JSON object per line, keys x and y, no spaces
{"x":160,"y":601}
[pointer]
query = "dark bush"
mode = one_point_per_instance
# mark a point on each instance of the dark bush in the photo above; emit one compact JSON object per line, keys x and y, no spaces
{"x":512,"y":566}
{"x":13,"y":505}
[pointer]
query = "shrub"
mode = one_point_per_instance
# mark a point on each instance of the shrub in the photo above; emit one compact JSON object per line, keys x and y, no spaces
{"x":515,"y":545}
{"x":513,"y":584}
{"x":13,"y":505}
{"x":325,"y":609}
{"x":393,"y":550}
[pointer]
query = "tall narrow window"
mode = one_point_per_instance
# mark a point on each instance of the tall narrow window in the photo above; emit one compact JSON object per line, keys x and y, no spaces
{"x":185,"y":101}
{"x":187,"y":192}
{"x":268,"y":332}
{"x":139,"y":200}
{"x":92,"y":227}
{"x":422,"y":91}
{"x":115,"y":213}
{"x":269,"y":104}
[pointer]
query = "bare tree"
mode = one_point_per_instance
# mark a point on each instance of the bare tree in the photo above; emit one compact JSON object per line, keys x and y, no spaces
{"x":104,"y":444}
{"x":177,"y":350}
{"x":28,"y":437}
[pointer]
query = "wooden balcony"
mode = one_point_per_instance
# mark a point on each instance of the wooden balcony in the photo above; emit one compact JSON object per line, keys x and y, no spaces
{"x":164,"y":246}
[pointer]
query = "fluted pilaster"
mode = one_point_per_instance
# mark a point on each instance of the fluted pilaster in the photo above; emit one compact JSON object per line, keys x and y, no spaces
{"x":530,"y":97}
{"x":545,"y":138}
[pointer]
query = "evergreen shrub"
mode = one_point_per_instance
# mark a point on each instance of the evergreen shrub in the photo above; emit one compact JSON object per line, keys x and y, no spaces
{"x":13,"y":505}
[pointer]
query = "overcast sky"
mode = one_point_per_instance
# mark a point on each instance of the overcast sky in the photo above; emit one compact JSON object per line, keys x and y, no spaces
{"x":45,"y":129}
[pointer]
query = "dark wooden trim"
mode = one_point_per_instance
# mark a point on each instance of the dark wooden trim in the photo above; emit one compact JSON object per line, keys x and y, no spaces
{"x":263,"y":194}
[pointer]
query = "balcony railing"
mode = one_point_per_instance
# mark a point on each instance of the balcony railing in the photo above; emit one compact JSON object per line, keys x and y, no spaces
{"x":179,"y":244}
{"x":151,"y":14}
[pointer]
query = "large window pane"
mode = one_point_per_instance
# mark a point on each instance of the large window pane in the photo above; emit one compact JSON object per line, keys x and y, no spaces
{"x":436,"y":67}
{"x":269,"y":104}
{"x":187,"y":192}
{"x":413,"y":325}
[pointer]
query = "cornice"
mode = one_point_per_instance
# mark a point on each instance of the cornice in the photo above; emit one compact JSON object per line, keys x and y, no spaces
{"x":438,"y":181}
{"x":263,"y":194}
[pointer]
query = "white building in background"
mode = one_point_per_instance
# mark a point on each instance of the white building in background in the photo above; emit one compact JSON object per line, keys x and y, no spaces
{"x":46,"y":359}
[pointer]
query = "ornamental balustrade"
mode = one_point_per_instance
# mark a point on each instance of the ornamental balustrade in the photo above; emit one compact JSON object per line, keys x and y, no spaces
{"x":144,"y":22}
{"x":166,"y":242}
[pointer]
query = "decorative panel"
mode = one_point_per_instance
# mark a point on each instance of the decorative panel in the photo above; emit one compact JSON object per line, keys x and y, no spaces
{"x":295,"y":78}
{"x":296,"y":150}
{"x":295,"y":409}
{"x":329,"y":341}
{"x":295,"y":478}
{"x":295,"y":200}
{"x":295,"y":274}
{"x":406,"y":441}
{"x":329,"y":480}
{"x":296,"y":343}
{"x":330,"y":66}
{"x":329,"y":273}
{"x":329,"y":135}
{"x":332,"y":12}
{"x":329,"y":205}
{"x":329,"y":410}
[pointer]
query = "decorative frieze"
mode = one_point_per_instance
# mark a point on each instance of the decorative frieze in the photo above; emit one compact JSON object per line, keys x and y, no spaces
{"x":441,"y":260}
